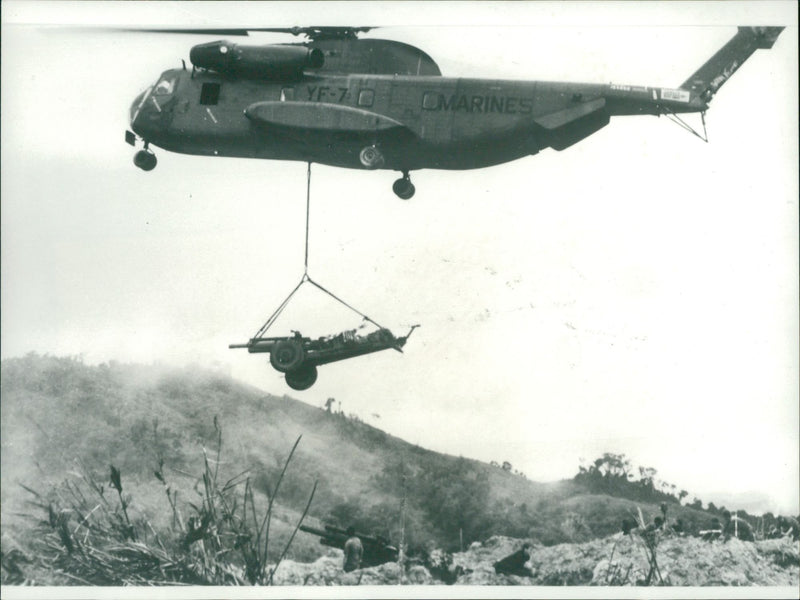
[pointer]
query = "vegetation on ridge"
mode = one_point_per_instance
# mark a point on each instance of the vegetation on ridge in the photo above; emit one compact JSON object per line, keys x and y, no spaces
{"x":153,"y":423}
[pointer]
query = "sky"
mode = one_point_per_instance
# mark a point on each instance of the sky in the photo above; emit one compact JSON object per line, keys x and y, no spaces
{"x":636,"y":293}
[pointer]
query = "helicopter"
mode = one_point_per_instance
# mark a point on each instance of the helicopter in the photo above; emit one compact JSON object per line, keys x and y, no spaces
{"x":363,"y":103}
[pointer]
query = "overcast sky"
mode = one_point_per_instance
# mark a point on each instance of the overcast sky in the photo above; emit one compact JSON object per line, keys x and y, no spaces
{"x":636,"y":293}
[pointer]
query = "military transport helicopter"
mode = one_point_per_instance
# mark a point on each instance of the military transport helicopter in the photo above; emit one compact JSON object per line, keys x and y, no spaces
{"x":340,"y":100}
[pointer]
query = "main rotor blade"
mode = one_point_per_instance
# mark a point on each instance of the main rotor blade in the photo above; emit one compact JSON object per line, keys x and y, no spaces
{"x":184,"y":30}
{"x":316,"y":30}
{"x":312,"y":32}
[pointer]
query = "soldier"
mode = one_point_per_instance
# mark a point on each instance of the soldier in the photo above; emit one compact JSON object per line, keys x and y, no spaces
{"x":736,"y":527}
{"x":776,"y":529}
{"x":793,"y":527}
{"x":353,"y":551}
{"x":649,"y":533}
{"x":679,"y":527}
{"x":714,"y":532}
{"x":628,"y":525}
{"x":786,"y":526}
{"x":514,"y":564}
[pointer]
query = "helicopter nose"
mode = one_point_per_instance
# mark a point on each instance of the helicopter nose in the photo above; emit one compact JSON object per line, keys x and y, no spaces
{"x":148,"y":118}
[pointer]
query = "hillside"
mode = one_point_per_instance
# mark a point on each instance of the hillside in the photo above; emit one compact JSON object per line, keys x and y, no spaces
{"x":62,"y":419}
{"x":58,"y":410}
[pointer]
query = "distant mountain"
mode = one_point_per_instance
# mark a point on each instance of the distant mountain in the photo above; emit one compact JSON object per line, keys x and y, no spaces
{"x":56,"y":411}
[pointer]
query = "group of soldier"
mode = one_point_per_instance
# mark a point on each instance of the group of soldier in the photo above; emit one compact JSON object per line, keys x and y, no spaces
{"x":730,"y":526}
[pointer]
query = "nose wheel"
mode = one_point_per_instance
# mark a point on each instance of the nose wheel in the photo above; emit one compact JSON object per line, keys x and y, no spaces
{"x":145,"y":160}
{"x":403,"y":187}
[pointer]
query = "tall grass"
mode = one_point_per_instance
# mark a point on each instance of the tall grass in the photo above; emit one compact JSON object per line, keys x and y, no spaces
{"x":92,"y":535}
{"x":648,"y":537}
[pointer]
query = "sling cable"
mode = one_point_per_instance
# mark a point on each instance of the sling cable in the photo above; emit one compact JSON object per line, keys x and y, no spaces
{"x":298,"y":357}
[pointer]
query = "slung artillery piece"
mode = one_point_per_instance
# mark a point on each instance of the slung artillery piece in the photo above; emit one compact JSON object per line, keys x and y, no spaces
{"x":298,"y":357}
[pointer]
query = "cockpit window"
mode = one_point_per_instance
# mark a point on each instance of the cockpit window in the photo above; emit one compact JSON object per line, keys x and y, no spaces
{"x":164,"y":87}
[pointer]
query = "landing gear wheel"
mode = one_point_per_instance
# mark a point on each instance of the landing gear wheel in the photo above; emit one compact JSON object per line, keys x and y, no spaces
{"x":403,"y":188}
{"x":286,"y":355}
{"x":302,"y":378}
{"x":145,"y":160}
{"x":371,"y":157}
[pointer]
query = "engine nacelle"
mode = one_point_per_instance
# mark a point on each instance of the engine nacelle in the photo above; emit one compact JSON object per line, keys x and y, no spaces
{"x":256,"y":62}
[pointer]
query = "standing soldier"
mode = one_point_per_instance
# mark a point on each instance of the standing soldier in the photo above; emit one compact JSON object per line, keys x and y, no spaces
{"x":353,"y":551}
{"x":736,"y":527}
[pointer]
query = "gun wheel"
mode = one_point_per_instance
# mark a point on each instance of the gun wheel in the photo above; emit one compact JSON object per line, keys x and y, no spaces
{"x":286,"y":355}
{"x":302,"y":378}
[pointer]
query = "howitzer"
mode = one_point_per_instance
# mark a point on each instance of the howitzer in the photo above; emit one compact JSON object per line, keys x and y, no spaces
{"x":377,"y":550}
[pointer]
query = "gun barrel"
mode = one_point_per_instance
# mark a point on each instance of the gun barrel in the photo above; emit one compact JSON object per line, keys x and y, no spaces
{"x":238,"y":345}
{"x":334,"y":529}
{"x":367,"y":539}
{"x":318,"y":532}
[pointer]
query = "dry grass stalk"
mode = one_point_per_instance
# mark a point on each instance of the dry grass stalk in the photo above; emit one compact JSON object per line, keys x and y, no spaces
{"x":94,"y":541}
{"x":648,"y":536}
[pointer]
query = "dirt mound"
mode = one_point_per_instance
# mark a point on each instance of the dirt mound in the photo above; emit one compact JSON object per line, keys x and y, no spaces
{"x":623,"y":560}
{"x":686,"y":561}
{"x":328,"y":571}
{"x":612,"y":561}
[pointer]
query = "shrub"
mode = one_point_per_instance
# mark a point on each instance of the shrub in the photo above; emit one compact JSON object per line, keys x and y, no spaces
{"x":92,"y":535}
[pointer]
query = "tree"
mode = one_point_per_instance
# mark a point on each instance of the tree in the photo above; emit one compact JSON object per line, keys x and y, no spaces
{"x":647,"y":477}
{"x":612,"y":465}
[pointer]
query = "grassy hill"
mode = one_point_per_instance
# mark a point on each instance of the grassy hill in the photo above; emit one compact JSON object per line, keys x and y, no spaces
{"x":63,"y":419}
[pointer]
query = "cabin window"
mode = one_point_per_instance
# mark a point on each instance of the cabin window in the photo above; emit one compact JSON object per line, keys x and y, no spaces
{"x":366,"y":97}
{"x":287,"y":94}
{"x":209,"y":93}
{"x":164,"y":87}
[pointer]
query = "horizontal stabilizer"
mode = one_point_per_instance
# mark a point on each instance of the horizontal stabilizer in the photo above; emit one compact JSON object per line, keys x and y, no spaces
{"x":765,"y":36}
{"x":717,"y":70}
{"x":568,"y":115}
{"x":319,"y":116}
{"x":569,"y":126}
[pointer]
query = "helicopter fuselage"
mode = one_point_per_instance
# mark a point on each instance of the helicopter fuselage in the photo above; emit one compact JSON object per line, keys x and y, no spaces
{"x":413,"y":122}
{"x":381,"y":104}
